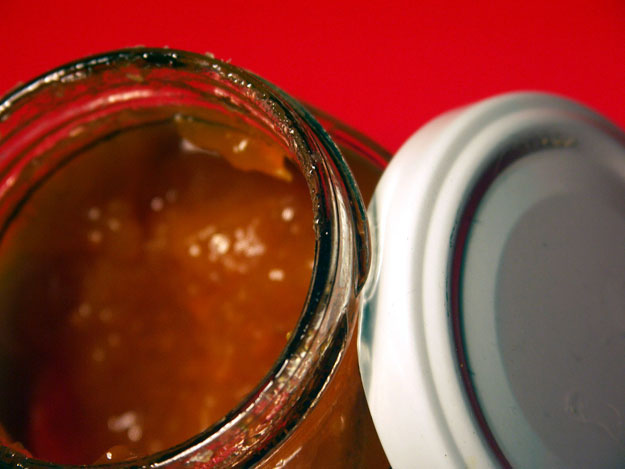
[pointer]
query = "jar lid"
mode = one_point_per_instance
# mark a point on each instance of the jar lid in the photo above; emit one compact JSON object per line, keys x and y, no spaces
{"x":493,"y":321}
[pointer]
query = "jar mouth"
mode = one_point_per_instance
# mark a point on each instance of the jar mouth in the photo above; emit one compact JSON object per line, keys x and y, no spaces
{"x":67,"y":109}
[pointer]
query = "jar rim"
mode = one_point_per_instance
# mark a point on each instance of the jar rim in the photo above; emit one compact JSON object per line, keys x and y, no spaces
{"x":341,"y":251}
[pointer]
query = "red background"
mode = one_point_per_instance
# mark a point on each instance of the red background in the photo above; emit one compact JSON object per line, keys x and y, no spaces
{"x":385,"y":68}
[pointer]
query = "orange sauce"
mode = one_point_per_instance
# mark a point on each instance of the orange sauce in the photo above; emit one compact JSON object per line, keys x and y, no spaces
{"x":147,"y":287}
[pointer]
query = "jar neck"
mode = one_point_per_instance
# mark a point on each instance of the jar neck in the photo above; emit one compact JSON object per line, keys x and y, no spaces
{"x":47,"y":121}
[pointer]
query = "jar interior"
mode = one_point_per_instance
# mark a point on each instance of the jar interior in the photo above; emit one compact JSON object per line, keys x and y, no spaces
{"x":155,"y":254}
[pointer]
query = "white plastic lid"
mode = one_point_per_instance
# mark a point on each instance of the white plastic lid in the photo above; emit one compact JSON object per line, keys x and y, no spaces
{"x":493,"y":323}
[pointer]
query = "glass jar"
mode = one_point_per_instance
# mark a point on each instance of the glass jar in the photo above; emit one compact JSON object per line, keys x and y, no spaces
{"x":309,"y":410}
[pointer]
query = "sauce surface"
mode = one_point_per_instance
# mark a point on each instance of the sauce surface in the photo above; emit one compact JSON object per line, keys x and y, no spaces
{"x":147,"y":287}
